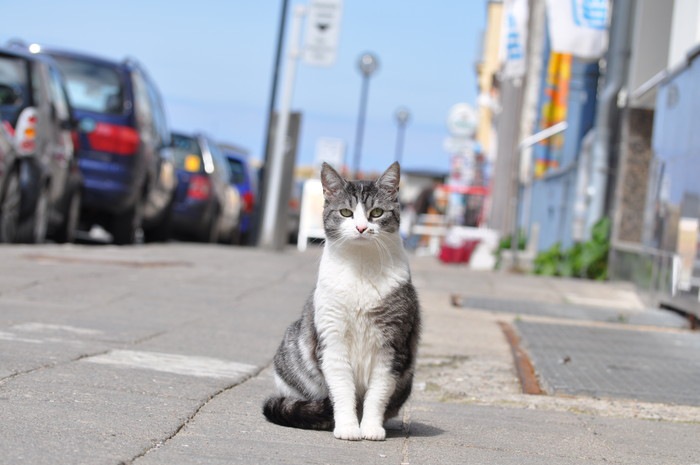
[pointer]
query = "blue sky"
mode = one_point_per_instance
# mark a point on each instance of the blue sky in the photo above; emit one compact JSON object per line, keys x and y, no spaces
{"x":213,"y":61}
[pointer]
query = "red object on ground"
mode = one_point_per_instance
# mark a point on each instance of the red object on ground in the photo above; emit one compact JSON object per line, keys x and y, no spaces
{"x":460,"y":254}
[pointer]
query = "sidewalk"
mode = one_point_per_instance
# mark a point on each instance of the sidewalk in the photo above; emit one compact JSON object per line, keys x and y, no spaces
{"x":594,"y":346}
{"x":68,"y":314}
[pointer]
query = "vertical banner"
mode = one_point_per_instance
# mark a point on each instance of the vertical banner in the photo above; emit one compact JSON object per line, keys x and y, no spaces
{"x":514,"y":38}
{"x":579,"y":27}
{"x":554,"y":110}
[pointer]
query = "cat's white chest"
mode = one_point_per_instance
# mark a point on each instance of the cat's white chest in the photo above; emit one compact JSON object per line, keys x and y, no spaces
{"x":346,"y":293}
{"x":359,"y":283}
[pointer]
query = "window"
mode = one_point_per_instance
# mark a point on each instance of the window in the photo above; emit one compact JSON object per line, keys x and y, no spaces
{"x":58,"y":95}
{"x":220,"y":164}
{"x":184,"y":146}
{"x":237,"y":171}
{"x":159,"y":119}
{"x":142,"y":103}
{"x":93,"y":86}
{"x":14,"y":91}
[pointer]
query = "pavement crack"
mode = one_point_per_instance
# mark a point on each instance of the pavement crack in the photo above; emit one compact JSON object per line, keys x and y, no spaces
{"x":51,"y":365}
{"x":264,"y":286}
{"x":190,"y":418}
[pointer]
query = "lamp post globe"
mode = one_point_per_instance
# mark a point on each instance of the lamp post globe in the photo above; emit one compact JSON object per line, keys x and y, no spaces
{"x":368,"y":64}
{"x":402,"y":115}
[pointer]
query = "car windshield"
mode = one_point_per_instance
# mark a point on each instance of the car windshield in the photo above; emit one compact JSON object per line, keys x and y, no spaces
{"x":183,"y":147}
{"x":237,"y":170}
{"x":92,"y":86}
{"x":13,"y":87}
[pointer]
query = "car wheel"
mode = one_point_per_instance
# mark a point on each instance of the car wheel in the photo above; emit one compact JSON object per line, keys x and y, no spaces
{"x":236,"y":236}
{"x":162,"y":231}
{"x":71,"y":218}
{"x":10,"y":201}
{"x":126,"y":226}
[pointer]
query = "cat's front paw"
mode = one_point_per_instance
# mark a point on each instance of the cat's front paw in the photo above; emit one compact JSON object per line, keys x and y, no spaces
{"x":349,"y":432}
{"x":373,"y":432}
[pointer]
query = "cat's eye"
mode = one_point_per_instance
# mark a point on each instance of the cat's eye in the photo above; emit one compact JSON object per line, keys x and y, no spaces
{"x":346,"y":212}
{"x":376,"y":213}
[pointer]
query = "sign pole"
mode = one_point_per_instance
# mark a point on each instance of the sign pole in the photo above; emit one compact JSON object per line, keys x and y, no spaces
{"x":271,"y":220}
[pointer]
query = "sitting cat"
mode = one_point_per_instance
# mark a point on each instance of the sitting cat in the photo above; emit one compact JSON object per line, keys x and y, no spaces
{"x":347,"y":365}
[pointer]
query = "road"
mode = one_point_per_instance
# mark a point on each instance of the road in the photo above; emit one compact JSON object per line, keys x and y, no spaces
{"x":159,"y":354}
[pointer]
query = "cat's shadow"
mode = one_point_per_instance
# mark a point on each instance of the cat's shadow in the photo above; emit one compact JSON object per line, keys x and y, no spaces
{"x":416,"y":429}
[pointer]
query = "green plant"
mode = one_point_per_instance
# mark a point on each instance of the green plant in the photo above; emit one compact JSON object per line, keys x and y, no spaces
{"x":505,"y":244}
{"x":584,"y":260}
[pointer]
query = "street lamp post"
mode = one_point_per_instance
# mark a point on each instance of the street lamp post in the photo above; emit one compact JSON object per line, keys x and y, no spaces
{"x":367,"y":65}
{"x":402,"y":116}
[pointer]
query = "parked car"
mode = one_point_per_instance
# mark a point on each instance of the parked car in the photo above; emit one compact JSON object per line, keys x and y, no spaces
{"x":125,"y":154}
{"x":10,"y":191}
{"x":35,"y":112}
{"x":206,"y":207}
{"x":245,"y":178}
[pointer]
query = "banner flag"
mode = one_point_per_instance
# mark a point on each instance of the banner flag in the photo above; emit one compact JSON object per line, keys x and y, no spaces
{"x":514,"y":38}
{"x":579,"y":27}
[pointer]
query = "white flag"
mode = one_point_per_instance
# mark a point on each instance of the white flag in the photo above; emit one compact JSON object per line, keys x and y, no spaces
{"x":514,"y":37}
{"x":578,"y":27}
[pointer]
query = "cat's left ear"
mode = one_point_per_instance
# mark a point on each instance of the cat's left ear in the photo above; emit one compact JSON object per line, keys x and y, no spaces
{"x":331,"y":181}
{"x":389,"y":181}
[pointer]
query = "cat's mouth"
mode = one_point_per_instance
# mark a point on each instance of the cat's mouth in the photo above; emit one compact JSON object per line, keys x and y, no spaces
{"x":365,"y":236}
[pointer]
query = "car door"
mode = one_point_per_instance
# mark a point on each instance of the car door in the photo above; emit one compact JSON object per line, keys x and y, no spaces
{"x":231,"y":202}
{"x":63,"y":149}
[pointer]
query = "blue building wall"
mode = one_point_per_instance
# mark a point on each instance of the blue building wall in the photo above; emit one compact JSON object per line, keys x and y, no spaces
{"x":553,"y":195}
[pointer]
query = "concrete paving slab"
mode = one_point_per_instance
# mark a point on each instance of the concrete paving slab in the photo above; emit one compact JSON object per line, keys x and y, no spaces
{"x":231,"y":429}
{"x":650,"y":317}
{"x":85,"y":414}
{"x":493,"y":435}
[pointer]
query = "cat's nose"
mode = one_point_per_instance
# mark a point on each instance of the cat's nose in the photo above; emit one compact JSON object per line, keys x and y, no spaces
{"x":362,"y":229}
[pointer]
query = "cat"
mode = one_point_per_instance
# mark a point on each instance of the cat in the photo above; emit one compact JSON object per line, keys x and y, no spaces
{"x":347,"y":364}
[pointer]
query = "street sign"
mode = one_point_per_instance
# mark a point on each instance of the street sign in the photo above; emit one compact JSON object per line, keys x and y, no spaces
{"x":462,"y":120}
{"x":331,"y":151}
{"x":322,"y":32}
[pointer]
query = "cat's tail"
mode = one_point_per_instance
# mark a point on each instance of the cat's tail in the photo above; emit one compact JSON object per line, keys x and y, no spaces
{"x":297,"y":413}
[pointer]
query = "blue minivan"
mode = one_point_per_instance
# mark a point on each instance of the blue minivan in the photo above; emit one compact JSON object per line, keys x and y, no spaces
{"x":125,"y":154}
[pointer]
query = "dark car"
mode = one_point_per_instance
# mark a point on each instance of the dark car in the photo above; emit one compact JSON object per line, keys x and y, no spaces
{"x":207,"y":207}
{"x":35,"y":111}
{"x":125,"y":154}
{"x":244,"y":177}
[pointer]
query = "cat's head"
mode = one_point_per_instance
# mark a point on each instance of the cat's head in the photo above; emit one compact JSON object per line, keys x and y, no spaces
{"x":361,"y":211}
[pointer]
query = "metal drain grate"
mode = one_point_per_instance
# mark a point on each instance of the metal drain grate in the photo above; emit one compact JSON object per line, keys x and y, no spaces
{"x":602,"y":362}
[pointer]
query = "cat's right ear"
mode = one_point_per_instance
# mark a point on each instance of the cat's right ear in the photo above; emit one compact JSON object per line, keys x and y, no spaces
{"x":331,"y":181}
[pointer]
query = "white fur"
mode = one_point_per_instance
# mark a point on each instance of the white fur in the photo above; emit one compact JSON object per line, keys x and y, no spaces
{"x":356,"y":273}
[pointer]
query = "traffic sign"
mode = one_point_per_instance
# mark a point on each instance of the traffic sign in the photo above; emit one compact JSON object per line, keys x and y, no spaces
{"x":462,"y":120}
{"x":331,"y":151}
{"x":322,"y":32}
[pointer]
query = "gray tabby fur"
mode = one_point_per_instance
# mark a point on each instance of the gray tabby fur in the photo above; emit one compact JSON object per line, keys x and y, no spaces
{"x":347,"y":364}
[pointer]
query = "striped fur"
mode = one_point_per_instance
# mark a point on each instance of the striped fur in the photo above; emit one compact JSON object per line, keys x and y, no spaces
{"x":347,"y":364}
